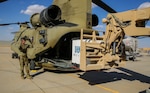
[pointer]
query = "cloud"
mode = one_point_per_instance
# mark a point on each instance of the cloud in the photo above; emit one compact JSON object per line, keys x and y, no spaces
{"x":99,"y":27}
{"x":94,"y":5}
{"x":33,"y":9}
{"x":144,"y":5}
{"x":148,"y":26}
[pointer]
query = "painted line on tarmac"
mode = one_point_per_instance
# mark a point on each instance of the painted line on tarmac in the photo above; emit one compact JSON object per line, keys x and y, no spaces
{"x":99,"y":86}
{"x":108,"y":89}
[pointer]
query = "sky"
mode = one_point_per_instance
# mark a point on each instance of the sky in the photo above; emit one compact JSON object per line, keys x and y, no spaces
{"x":20,"y":11}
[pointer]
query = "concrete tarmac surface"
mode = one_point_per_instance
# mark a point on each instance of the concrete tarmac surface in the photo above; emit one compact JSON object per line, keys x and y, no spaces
{"x":133,"y":78}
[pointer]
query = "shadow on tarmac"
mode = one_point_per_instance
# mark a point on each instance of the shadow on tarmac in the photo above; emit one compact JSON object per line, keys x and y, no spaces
{"x":99,"y":77}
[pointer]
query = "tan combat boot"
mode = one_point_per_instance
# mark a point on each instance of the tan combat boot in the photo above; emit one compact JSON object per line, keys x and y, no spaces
{"x":29,"y":77}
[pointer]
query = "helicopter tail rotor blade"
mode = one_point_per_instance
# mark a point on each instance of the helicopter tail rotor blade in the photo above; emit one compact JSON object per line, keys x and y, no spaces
{"x":101,"y":4}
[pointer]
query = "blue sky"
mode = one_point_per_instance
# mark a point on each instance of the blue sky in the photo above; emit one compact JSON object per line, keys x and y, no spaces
{"x":21,"y":10}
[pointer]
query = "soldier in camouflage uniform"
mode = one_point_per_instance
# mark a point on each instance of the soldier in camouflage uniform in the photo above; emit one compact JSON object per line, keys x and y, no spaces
{"x":23,"y":58}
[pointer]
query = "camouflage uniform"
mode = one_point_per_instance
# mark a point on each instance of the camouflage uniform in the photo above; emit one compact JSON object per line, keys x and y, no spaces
{"x":24,"y":60}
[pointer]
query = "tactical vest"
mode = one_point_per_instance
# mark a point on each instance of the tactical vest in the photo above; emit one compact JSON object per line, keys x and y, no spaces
{"x":23,"y":48}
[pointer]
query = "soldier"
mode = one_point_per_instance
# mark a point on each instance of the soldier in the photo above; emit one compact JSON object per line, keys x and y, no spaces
{"x":23,"y":58}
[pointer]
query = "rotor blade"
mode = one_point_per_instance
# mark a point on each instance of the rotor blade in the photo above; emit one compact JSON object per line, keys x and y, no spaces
{"x":2,"y":1}
{"x":104,"y":6}
{"x":14,"y":32}
{"x":13,"y":23}
{"x":7,"y":24}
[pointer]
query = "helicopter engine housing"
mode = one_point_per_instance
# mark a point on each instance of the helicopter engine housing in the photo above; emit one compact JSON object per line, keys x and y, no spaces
{"x":50,"y":15}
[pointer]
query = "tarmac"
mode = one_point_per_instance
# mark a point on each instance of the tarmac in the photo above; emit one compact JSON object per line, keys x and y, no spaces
{"x":133,"y":78}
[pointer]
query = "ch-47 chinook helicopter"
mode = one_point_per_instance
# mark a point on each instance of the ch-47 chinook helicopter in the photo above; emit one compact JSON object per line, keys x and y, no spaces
{"x":65,"y":21}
